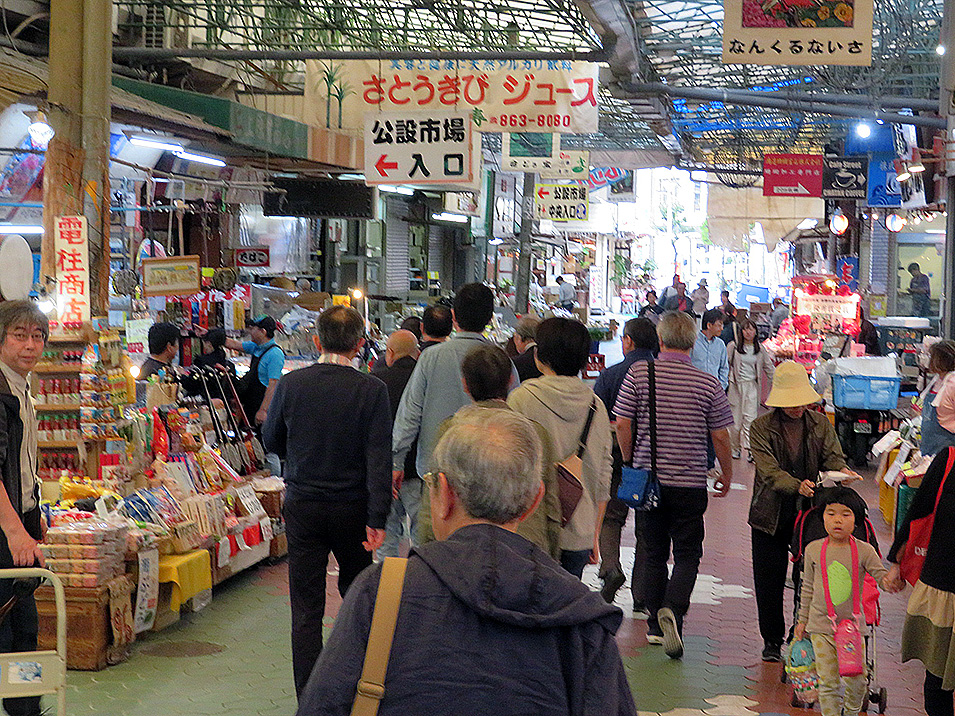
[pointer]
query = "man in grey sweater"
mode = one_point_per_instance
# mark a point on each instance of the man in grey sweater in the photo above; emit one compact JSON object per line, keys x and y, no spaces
{"x":436,"y":389}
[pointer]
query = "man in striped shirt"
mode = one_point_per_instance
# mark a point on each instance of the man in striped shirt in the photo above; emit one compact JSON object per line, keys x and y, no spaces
{"x":690,"y":406}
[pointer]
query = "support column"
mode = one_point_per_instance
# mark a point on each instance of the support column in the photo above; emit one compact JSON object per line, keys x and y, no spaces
{"x":946,"y":106}
{"x":76,"y":172}
{"x":523,"y":282}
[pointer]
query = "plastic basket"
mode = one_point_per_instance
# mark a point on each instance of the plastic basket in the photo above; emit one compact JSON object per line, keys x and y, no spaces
{"x":860,"y":391}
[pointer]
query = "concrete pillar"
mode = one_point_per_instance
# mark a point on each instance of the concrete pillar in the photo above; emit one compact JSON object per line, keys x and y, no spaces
{"x":76,"y":173}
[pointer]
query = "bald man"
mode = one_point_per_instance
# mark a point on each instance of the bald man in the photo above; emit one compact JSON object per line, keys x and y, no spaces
{"x":401,"y":356}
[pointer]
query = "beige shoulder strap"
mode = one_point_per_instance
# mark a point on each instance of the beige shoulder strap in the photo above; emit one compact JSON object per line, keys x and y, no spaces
{"x":371,"y":686}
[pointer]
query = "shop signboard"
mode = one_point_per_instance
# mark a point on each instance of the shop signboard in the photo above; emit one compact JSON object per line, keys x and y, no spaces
{"x":792,"y":175}
{"x":505,"y":206}
{"x":622,"y":190}
{"x":462,"y":202}
{"x":886,"y":143}
{"x":171,"y":276}
{"x":845,"y":177}
{"x":827,"y":313}
{"x":417,"y":148}
{"x":71,"y":245}
{"x":498,"y":95}
{"x":561,"y":202}
{"x":252,"y":257}
{"x":797,"y":32}
{"x":147,"y":591}
{"x":520,"y":153}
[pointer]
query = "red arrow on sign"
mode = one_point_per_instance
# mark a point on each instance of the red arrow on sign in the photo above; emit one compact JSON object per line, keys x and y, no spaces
{"x":381,"y":165}
{"x":541,"y":193}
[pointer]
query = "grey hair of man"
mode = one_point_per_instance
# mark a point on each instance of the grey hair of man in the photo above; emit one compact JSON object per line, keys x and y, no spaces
{"x":14,"y":314}
{"x":340,"y":328}
{"x":527,"y":328}
{"x":677,"y":331}
{"x":491,"y":458}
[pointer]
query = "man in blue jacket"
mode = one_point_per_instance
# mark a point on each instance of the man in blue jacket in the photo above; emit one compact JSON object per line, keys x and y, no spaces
{"x":332,"y":425}
{"x":488,"y":623}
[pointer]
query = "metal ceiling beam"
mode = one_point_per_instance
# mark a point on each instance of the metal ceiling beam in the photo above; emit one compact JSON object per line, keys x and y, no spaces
{"x":210,"y":53}
{"x":759,"y":99}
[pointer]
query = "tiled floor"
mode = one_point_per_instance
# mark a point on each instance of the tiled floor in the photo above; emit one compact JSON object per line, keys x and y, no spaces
{"x":249,"y":672}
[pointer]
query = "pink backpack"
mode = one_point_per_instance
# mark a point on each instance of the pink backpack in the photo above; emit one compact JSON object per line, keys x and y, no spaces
{"x":850,"y":649}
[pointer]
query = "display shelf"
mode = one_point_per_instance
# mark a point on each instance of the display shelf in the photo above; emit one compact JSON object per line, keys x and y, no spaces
{"x":58,"y":444}
{"x":57,"y":368}
{"x":67,"y":339}
{"x":53,"y":408}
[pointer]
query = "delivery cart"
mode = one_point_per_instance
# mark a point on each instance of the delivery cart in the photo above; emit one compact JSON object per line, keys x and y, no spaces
{"x":37,"y":673}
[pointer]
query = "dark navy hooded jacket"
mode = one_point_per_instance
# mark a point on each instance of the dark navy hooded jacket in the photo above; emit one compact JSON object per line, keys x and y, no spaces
{"x":488,"y":624}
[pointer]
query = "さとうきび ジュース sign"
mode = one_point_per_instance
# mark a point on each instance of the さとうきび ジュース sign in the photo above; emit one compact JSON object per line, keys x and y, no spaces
{"x":797,"y":32}
{"x":417,"y":148}
{"x":558,"y":96}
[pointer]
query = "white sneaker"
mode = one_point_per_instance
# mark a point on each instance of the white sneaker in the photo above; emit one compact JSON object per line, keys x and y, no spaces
{"x":655,"y":639}
{"x":737,"y":454}
{"x":672,"y":643}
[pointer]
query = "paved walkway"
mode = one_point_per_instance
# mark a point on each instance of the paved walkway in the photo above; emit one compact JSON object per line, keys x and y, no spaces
{"x":233,"y":658}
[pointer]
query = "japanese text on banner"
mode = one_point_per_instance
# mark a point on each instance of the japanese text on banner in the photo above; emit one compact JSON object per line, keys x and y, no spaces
{"x":71,"y":247}
{"x":499,"y":95}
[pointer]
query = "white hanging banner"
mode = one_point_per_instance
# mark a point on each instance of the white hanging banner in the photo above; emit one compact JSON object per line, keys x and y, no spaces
{"x":499,"y":95}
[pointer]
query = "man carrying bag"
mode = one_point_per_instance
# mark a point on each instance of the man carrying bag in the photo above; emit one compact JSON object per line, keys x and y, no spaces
{"x":689,"y":407}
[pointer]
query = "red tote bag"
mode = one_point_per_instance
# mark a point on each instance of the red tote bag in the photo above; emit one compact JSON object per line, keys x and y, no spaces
{"x":920,"y":533}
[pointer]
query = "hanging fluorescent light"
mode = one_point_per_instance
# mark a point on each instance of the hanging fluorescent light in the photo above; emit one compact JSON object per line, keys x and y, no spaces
{"x":14,"y":229}
{"x":155,"y":144}
{"x":495,"y":241}
{"x":916,"y":163}
{"x":351,"y":177}
{"x":863,"y":130}
{"x":902,"y":172}
{"x":40,"y":130}
{"x":200,"y":158}
{"x":447,"y":216}
{"x":387,"y":188}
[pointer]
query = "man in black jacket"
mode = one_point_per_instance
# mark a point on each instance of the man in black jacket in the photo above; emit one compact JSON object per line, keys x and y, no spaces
{"x":23,"y":333}
{"x":401,"y":356}
{"x":332,"y":424}
{"x":488,"y":622}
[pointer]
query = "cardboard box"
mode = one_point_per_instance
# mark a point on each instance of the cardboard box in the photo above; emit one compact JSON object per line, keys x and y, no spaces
{"x":90,"y":641}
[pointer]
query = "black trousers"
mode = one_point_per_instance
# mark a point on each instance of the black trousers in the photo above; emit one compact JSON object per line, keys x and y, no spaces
{"x":19,"y":629}
{"x":313,"y":530}
{"x":770,"y":565}
{"x":614,"y":520}
{"x":678,"y":521}
{"x":938,"y":702}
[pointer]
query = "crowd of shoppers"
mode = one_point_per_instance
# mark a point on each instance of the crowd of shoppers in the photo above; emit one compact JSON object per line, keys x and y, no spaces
{"x":451,"y":445}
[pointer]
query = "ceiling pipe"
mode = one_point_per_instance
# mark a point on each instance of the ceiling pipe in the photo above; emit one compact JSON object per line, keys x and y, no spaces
{"x":759,"y":99}
{"x":925,"y":105}
{"x":225,"y":54}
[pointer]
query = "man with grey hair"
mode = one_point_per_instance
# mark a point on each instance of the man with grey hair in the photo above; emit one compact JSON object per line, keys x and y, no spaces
{"x":480,"y":600}
{"x":332,"y":424}
{"x":525,"y":340}
{"x":690,"y":406}
{"x":23,"y":334}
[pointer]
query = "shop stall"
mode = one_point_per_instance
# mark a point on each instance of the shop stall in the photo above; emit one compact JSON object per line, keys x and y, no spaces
{"x":149,"y":504}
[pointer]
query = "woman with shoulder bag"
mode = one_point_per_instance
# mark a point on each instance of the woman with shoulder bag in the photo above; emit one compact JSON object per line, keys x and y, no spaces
{"x":928,"y":532}
{"x":561,"y":402}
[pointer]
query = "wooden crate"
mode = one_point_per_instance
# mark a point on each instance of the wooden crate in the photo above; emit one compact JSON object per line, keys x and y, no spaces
{"x":89,"y":632}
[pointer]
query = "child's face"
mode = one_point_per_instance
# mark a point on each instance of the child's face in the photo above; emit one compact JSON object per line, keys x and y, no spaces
{"x":839,"y":520}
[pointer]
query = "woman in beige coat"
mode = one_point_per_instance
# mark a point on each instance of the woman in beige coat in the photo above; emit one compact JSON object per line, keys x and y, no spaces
{"x":751,"y":369}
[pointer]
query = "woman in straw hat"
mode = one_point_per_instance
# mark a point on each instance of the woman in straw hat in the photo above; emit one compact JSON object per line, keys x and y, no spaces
{"x":791,"y":446}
